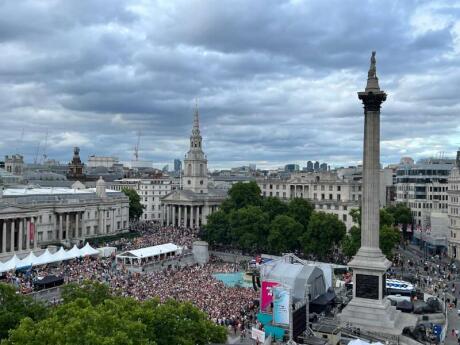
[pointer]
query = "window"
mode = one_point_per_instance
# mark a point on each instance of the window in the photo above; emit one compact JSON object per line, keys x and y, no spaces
{"x":88,"y":229}
{"x":108,"y":228}
{"x":339,"y":188}
{"x":201,"y":182}
{"x":189,"y":182}
{"x":118,"y":225}
{"x":344,"y":218}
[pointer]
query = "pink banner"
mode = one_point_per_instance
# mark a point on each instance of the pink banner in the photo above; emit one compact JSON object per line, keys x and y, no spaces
{"x":31,"y":231}
{"x":266,"y":297}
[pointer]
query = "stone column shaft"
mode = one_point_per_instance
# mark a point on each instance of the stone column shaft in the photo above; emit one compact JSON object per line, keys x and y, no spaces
{"x":20,"y":235}
{"x":370,"y":217}
{"x":185,"y":215}
{"x":77,"y":224}
{"x":191,"y":215}
{"x":35,"y":232}
{"x":61,"y":230}
{"x":4,"y":237}
{"x":179,"y":220}
{"x":12,"y":228}
{"x":28,"y":222}
{"x":173,"y":215}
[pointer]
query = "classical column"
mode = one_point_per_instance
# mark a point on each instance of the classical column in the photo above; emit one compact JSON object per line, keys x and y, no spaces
{"x":35,"y":232}
{"x":12,"y":226}
{"x":368,"y":309}
{"x":28,"y":222}
{"x":173,"y":215}
{"x":4,"y":237}
{"x":179,"y":221}
{"x":185,"y":216}
{"x":20,"y":234}
{"x":67,"y":226}
{"x":77,"y":224}
{"x":191,"y":216}
{"x":61,"y":230}
{"x":197,"y":218}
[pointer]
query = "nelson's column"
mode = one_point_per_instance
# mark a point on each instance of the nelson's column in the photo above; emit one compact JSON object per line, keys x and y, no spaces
{"x":369,"y":309}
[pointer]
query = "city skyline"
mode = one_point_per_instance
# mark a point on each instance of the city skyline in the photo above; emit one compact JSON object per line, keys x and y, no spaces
{"x":93,"y":75}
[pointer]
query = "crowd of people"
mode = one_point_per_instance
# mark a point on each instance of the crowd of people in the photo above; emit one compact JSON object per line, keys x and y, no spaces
{"x":225,"y":305}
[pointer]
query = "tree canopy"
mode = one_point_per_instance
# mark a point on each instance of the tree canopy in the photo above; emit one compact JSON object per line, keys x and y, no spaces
{"x":117,"y":321}
{"x":324,"y":232}
{"x":388,"y":237}
{"x":135,"y":207}
{"x":14,"y":307}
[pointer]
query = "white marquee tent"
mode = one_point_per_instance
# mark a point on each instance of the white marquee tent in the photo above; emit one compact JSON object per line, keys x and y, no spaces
{"x":47,"y":257}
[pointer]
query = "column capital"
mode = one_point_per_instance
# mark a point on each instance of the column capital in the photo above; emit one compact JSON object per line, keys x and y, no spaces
{"x":372,"y":100}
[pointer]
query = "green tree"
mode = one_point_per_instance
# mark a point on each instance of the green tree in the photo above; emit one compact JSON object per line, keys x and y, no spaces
{"x":301,"y":210}
{"x":119,"y":321}
{"x":242,"y":195}
{"x":217,"y":231}
{"x":135,"y":206}
{"x":352,"y":242}
{"x":389,"y":238}
{"x":285,"y":234}
{"x":95,"y":292}
{"x":402,"y":214}
{"x":14,"y":307}
{"x":249,"y":227}
{"x":274,"y":207}
{"x":355,"y":214}
{"x":386,"y":218}
{"x":323,"y":233}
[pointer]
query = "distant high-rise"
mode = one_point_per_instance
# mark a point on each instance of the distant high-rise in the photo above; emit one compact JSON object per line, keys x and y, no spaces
{"x":310,"y":166}
{"x":323,"y":167}
{"x":291,"y":168}
{"x":177,"y":165}
{"x":316,"y":166}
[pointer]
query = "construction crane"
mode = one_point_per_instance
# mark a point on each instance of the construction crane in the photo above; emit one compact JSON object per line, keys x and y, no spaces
{"x":136,"y":147}
{"x":45,"y":147}
{"x":36,"y":152}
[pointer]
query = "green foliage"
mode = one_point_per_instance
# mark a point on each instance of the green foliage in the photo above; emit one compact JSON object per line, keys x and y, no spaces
{"x":402,"y":215}
{"x":119,"y":321}
{"x":217,"y":231}
{"x":273,"y":207}
{"x":386,"y":218}
{"x":284,"y":236}
{"x":242,"y":195}
{"x":351,"y":242}
{"x":389,"y":238}
{"x":135,"y":206}
{"x":323,"y":233}
{"x":95,"y":292}
{"x":15,"y":307}
{"x":249,"y":227}
{"x":301,"y":210}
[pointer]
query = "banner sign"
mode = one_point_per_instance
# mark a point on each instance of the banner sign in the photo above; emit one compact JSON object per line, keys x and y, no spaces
{"x":31,"y":231}
{"x":257,"y":334}
{"x":266,"y":295}
{"x":281,"y":306}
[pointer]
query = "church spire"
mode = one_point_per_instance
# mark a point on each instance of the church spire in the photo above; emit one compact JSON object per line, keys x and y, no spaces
{"x":372,"y":80}
{"x":196,"y":122}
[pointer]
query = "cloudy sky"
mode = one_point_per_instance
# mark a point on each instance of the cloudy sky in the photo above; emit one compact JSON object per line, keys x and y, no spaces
{"x":276,"y":80}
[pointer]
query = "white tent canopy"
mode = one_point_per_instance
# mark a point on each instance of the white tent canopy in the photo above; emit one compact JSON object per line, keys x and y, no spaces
{"x":88,"y":250}
{"x":47,"y":257}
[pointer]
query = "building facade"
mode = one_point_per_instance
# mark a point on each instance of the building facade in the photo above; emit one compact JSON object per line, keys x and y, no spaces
{"x":454,"y":210}
{"x":14,"y":164}
{"x":325,"y":190}
{"x":100,"y":161}
{"x":423,"y":187}
{"x":150,"y":192}
{"x":35,"y":217}
{"x":190,"y":205}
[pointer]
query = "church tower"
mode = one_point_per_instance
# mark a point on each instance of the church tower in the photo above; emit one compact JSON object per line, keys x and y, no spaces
{"x":195,"y":162}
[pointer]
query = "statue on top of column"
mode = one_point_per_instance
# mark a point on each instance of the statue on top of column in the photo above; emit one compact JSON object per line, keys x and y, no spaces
{"x":372,"y":70}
